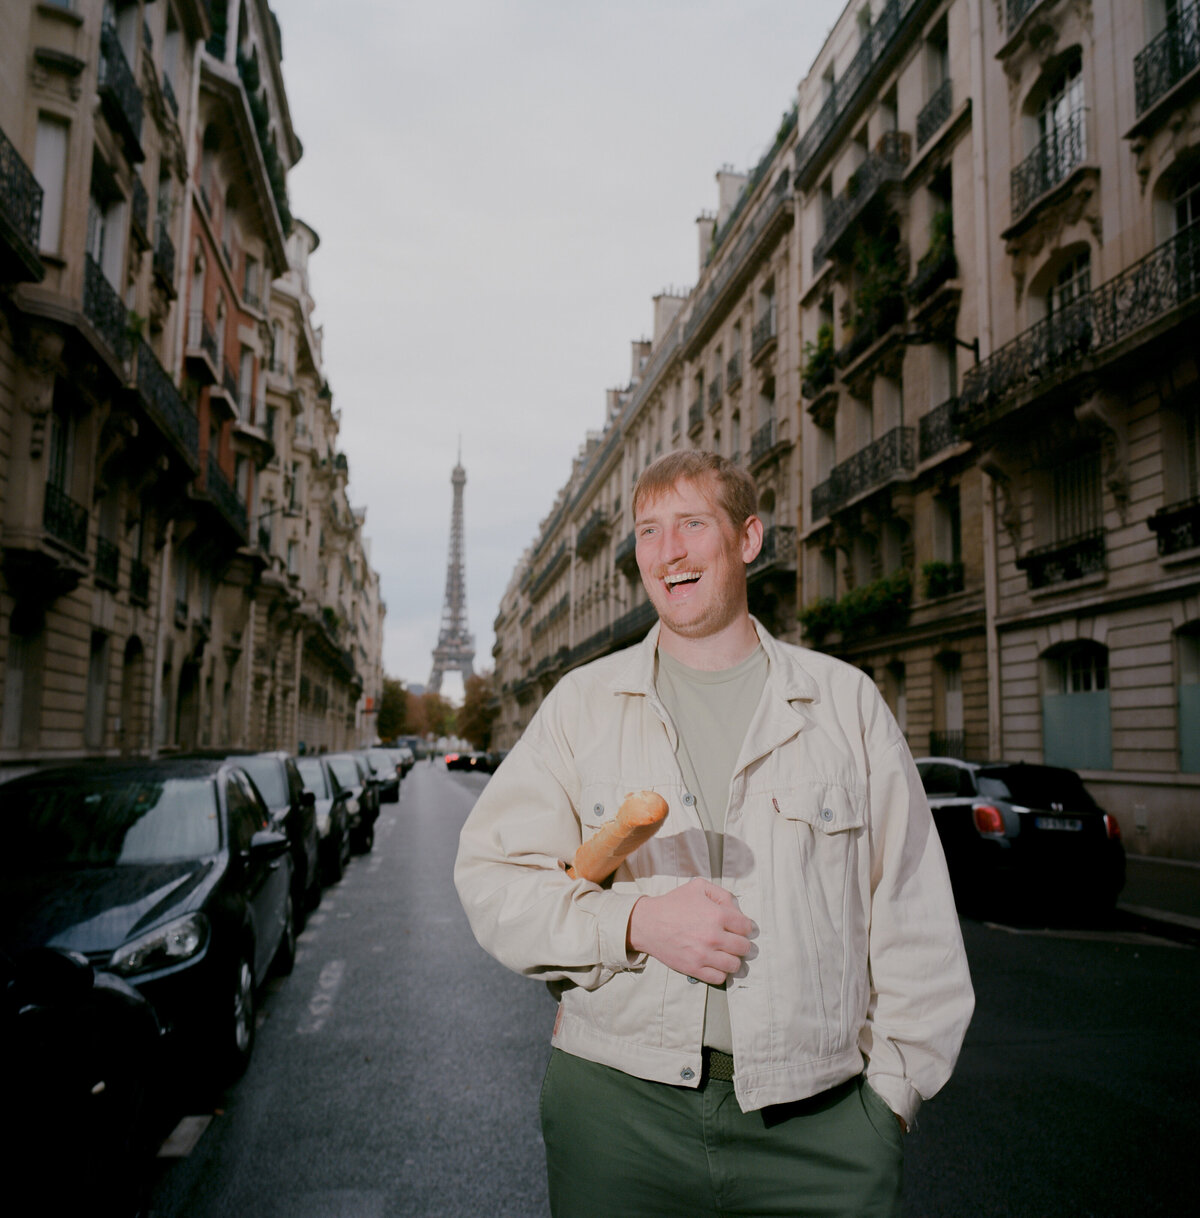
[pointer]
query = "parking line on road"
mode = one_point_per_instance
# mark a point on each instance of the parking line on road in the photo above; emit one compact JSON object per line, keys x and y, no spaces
{"x":320,"y":1005}
{"x":181,"y":1141}
{"x":1136,"y":938}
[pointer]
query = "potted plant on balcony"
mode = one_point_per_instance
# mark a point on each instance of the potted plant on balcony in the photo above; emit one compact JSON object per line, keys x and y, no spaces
{"x":878,"y":302}
{"x":942,"y":578}
{"x":938,"y":263}
{"x":818,"y":362}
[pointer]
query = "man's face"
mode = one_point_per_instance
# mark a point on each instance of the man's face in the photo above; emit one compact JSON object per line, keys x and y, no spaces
{"x":693,"y":560}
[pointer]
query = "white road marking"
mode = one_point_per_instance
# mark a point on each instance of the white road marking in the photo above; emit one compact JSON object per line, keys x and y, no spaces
{"x":183,"y":1138}
{"x":1136,"y":938}
{"x":320,"y":1005}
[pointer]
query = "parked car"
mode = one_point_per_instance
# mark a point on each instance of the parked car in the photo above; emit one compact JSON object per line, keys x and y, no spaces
{"x":386,"y":769}
{"x":352,"y":774}
{"x":293,"y":811}
{"x":467,"y":761}
{"x":333,"y":812}
{"x":1030,"y":832}
{"x":405,"y":758}
{"x":493,"y":759}
{"x":169,"y":874}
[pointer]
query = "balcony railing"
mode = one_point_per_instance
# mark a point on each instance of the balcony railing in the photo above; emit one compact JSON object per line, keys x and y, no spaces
{"x":1060,"y":150}
{"x":762,"y":441}
{"x":165,"y":404}
{"x":695,"y":416}
{"x":888,"y":458}
{"x":934,"y":112}
{"x":1167,"y":59}
{"x":108,"y":561}
{"x":103,"y":308}
{"x":64,"y":519}
{"x":1061,"y":561}
{"x":778,"y":550}
{"x":1177,"y":526}
{"x":764,"y":331}
{"x":229,"y":382}
{"x":139,"y":207}
{"x":935,"y":268}
{"x":593,"y":534}
{"x":20,"y":205}
{"x":936,"y":430}
{"x":220,"y":490}
{"x":169,"y":94}
{"x":886,"y":164}
{"x":714,"y":393}
{"x":1165,"y":278}
{"x":202,"y":338}
{"x":164,"y":257}
{"x":139,"y":582}
{"x":118,"y":88}
{"x":733,"y":370}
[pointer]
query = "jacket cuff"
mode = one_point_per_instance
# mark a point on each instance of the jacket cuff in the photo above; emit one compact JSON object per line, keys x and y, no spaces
{"x":898,"y":1094}
{"x":613,"y":926}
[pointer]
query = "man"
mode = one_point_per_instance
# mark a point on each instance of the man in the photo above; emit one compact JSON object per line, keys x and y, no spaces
{"x":752,"y":1009}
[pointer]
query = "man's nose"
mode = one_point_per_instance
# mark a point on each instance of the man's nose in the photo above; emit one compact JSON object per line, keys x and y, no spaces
{"x":674,"y":545}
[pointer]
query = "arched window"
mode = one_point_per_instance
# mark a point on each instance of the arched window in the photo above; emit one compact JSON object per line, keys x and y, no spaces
{"x":1076,"y":721}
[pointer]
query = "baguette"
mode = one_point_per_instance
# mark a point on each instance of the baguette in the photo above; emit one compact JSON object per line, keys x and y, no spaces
{"x":638,"y":819}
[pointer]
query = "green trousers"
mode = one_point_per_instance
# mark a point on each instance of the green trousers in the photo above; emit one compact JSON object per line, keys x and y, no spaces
{"x":623,"y":1147}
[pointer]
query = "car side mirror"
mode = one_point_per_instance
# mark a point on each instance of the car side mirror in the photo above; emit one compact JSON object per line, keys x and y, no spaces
{"x":268,"y":845}
{"x":308,"y":799}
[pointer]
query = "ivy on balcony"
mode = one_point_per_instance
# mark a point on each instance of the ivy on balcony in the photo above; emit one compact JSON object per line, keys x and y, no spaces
{"x":879,"y":607}
{"x":819,"y":365}
{"x":878,"y":304}
{"x":938,"y":263}
{"x":942,"y":579}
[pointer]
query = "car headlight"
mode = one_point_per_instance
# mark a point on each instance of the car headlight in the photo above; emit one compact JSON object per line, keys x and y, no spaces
{"x":170,"y":944}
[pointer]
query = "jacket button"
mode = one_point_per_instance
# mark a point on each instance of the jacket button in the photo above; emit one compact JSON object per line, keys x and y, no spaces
{"x":687,"y":1073}
{"x":598,"y":809}
{"x":693,"y":981}
{"x":688,"y":798}
{"x":827,"y":814}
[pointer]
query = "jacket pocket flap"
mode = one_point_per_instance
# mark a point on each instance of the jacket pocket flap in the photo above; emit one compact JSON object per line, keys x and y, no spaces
{"x":828,"y":809}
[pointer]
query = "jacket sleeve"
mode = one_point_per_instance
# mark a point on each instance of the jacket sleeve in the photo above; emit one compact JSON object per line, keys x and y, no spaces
{"x":921,"y":997}
{"x":522,"y":906}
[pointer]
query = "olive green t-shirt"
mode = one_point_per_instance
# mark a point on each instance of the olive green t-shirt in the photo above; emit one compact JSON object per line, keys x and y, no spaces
{"x":711,"y":712}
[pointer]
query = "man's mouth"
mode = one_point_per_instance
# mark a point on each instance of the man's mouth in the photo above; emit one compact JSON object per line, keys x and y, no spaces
{"x":680,"y":579}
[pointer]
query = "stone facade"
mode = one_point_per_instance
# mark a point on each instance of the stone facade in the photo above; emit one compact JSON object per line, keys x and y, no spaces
{"x":979,"y":249}
{"x":145,"y":602}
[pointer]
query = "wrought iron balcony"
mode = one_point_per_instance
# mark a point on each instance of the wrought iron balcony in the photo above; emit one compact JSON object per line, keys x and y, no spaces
{"x":1061,"y":561}
{"x":695,"y":416}
{"x":108,"y":562}
{"x":103,"y":308}
{"x":778,"y":550}
{"x":1060,"y":150}
{"x":1167,"y":59}
{"x":139,"y":208}
{"x":888,"y":459}
{"x":733,"y":370}
{"x":764,"y":331}
{"x":1177,"y":526}
{"x":593,"y":534}
{"x":165,"y":405}
{"x":119,"y":94}
{"x":164,"y":259}
{"x":139,"y":582}
{"x":936,"y":430}
{"x":221,"y":491}
{"x":886,"y":164}
{"x":20,"y":212}
{"x":202,"y":344}
{"x":762,"y":442}
{"x":714,"y":393}
{"x":64,"y":519}
{"x":935,"y":268}
{"x":1164,"y":279}
{"x":934,"y":112}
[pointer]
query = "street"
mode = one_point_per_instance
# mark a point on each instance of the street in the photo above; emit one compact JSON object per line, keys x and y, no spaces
{"x":397,"y":1070}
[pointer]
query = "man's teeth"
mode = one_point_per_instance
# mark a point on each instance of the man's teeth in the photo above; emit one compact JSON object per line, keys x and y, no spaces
{"x":682,"y":577}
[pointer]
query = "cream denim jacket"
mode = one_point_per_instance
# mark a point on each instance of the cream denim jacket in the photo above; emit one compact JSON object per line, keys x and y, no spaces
{"x":830,"y":849}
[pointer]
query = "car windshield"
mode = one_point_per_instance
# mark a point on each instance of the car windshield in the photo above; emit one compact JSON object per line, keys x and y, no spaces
{"x":345,"y":771}
{"x":380,"y":761}
{"x":107,"y":821}
{"x":312,"y":774}
{"x":268,"y":778}
{"x":1036,"y":786}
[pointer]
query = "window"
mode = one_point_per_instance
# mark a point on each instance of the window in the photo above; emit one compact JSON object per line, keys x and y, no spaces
{"x":1188,"y":647}
{"x":827,"y":574}
{"x":246,"y":385}
{"x":50,"y":169}
{"x":61,"y":454}
{"x":1060,"y":119}
{"x":293,"y":558}
{"x":1076,"y":496}
{"x":97,"y":691}
{"x":1076,"y":726}
{"x":947,"y":738}
{"x":250,"y":290}
{"x":106,"y":224}
{"x":1072,"y":284}
{"x":947,"y":527}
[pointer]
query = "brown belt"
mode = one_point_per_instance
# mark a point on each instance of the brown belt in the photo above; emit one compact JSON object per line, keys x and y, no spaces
{"x":718,"y":1065}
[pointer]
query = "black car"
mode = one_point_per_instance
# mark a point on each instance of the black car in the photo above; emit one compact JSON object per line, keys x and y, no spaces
{"x":353,"y":774}
{"x":293,"y":810}
{"x":386,"y":768}
{"x":467,"y":761}
{"x":1030,"y":833}
{"x":333,"y":814}
{"x":168,"y":874}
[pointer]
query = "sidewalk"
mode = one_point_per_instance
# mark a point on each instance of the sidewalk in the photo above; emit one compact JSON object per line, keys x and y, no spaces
{"x":1162,"y":890}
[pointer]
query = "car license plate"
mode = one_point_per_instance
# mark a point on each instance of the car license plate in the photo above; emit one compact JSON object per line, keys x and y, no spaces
{"x":1071,"y":824}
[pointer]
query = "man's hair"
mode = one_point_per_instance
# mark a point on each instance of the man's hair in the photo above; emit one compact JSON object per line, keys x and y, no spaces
{"x":737,"y":495}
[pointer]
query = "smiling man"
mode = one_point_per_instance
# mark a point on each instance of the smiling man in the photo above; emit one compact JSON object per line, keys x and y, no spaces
{"x":753,"y":1007}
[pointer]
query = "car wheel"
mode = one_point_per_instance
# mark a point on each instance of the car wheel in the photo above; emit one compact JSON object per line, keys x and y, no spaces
{"x":364,"y":839}
{"x":238,"y":1031}
{"x":285,"y":953}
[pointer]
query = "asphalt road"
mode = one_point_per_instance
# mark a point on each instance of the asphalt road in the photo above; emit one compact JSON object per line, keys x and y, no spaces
{"x":397,"y":1070}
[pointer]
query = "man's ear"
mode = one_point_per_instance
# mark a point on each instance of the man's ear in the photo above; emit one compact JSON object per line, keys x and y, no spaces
{"x":752,"y":539}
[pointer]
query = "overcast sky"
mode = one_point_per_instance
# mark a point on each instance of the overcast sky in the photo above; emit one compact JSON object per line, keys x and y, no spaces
{"x":500,"y":187}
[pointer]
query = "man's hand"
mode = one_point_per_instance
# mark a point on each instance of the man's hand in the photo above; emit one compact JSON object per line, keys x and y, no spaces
{"x":696,"y":929}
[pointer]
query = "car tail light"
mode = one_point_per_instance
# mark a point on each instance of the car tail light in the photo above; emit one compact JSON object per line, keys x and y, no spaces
{"x":1112,"y":827}
{"x":988,"y":819}
{"x":451,"y":757}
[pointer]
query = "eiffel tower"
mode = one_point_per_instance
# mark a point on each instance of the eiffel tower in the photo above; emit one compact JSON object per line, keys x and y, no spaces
{"x":456,"y":645}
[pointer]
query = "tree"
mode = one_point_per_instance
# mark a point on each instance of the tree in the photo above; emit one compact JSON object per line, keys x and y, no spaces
{"x":438,"y":714}
{"x":393,"y":710}
{"x":478,"y":711}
